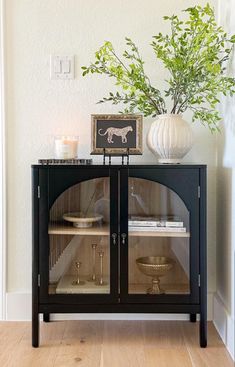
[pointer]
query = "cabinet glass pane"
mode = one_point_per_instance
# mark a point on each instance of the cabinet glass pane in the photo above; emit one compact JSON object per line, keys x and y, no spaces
{"x":159,"y":240}
{"x":79,"y":248}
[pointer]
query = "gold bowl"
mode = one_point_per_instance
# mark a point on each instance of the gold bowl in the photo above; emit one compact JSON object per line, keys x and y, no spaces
{"x":155,"y":267}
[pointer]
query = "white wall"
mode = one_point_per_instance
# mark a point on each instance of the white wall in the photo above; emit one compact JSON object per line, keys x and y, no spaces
{"x":2,"y":170}
{"x":38,"y":108}
{"x":224,"y":314}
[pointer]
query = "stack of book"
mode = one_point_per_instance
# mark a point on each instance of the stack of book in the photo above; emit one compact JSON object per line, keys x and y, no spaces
{"x":169,"y":223}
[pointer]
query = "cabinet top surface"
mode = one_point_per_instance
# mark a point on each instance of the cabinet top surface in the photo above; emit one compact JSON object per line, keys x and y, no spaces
{"x":132,"y":165}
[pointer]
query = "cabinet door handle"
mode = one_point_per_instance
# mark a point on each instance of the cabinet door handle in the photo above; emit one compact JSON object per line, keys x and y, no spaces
{"x":123,"y":235}
{"x":114,"y":237}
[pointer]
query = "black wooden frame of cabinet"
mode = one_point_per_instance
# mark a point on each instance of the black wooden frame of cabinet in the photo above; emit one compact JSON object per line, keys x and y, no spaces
{"x":47,"y":178}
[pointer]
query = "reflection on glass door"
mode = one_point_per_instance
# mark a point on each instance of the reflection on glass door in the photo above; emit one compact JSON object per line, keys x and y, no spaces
{"x":79,"y":248}
{"x":159,"y":240}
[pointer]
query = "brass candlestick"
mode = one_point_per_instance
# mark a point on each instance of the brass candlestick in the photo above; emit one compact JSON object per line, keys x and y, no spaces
{"x":93,"y":276}
{"x":78,"y":281}
{"x":101,"y":281}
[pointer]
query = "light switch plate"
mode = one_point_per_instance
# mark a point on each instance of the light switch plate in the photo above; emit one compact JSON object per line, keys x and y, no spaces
{"x":62,"y":67}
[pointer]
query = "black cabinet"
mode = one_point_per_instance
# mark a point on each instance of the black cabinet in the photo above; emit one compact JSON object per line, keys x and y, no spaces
{"x":119,"y":239}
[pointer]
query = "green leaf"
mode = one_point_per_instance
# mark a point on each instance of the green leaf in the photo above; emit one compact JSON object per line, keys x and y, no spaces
{"x":232,"y":39}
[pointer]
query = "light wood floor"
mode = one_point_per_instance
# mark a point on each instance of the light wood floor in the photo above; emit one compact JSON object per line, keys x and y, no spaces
{"x":111,"y":344}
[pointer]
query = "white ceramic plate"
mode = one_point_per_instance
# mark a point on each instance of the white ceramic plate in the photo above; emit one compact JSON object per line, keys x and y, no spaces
{"x":80,"y":220}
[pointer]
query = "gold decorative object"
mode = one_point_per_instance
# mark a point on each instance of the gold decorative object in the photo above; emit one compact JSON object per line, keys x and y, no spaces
{"x":101,"y":281}
{"x":93,"y":276}
{"x":78,"y":281}
{"x":155,"y":267}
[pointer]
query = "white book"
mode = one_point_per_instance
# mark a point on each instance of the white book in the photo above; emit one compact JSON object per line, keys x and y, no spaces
{"x":156,"y":221}
{"x":156,"y":229}
{"x":144,"y":223}
{"x":174,"y":224}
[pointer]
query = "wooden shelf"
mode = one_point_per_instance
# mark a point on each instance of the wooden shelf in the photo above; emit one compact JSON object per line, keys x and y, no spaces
{"x":158,"y":234}
{"x":104,"y":231}
{"x":65,"y":286}
{"x":90,"y":231}
{"x":174,"y":288}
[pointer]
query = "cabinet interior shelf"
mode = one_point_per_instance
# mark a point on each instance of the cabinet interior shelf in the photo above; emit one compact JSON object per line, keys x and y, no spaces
{"x":104,"y":231}
{"x":66,"y":288}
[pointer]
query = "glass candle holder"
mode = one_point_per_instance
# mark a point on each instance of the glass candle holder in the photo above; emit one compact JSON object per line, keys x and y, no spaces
{"x":65,"y":147}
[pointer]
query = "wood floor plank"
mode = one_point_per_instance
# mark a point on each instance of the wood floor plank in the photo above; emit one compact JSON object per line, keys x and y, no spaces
{"x":123,"y":344}
{"x":81,"y":343}
{"x":26,"y":356}
{"x":214,"y":355}
{"x":163,"y":334}
{"x":11,"y":334}
{"x":167,"y":357}
{"x":164,"y":344}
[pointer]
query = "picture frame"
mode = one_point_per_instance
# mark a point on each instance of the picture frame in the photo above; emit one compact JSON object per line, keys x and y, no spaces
{"x":117,"y":134}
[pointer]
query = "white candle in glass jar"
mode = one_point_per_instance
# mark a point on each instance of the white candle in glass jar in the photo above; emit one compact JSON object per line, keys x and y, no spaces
{"x":66,"y":147}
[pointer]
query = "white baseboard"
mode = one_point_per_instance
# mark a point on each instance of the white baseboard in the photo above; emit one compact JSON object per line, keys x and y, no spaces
{"x":19,"y":308}
{"x":224,"y":324}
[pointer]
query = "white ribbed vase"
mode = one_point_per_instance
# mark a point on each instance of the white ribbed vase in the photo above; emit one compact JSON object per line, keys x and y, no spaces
{"x":170,"y":137}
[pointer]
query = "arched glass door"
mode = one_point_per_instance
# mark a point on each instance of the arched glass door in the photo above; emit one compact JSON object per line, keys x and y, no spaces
{"x":159,"y":240}
{"x":79,"y":239}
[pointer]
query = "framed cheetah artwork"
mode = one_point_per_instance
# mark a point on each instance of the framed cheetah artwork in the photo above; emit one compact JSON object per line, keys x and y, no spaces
{"x":117,"y":134}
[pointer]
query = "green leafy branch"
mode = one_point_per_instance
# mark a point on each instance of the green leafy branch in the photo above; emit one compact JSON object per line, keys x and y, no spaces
{"x":131,"y":77}
{"x":195,"y":53}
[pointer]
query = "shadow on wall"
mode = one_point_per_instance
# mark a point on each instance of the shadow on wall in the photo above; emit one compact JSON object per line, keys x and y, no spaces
{"x":224,"y":236}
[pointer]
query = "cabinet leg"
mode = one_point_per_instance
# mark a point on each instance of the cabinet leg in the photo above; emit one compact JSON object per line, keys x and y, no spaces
{"x":193,"y":317}
{"x":35,"y":330}
{"x":203,"y":331}
{"x":46,"y":317}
